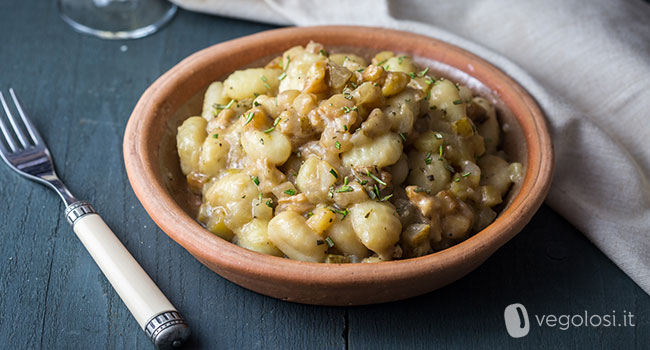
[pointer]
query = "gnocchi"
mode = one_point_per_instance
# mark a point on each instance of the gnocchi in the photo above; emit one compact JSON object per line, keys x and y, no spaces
{"x":328,"y":158}
{"x":250,"y":82}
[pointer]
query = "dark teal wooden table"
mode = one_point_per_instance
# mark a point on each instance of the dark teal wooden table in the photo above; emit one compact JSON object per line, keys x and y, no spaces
{"x":80,"y":91}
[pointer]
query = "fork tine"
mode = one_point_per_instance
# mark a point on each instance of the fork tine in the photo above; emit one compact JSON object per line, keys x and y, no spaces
{"x":33,"y":132}
{"x":6,"y":133}
{"x":3,"y":149}
{"x":22,"y":137}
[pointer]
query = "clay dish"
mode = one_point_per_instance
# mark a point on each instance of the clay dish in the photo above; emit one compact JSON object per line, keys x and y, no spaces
{"x":154,"y":172}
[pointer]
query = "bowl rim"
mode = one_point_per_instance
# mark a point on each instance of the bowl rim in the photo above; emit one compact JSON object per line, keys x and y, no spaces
{"x":183,"y":229}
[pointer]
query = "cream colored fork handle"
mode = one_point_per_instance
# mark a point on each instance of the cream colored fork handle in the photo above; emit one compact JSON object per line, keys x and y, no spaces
{"x":154,"y":313}
{"x":137,"y":290}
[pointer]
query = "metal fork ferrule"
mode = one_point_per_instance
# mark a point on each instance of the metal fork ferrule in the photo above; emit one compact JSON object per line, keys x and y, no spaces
{"x":77,"y":210}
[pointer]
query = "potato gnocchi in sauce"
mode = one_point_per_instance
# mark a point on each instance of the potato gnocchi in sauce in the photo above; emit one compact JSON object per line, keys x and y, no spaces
{"x":330,"y":158}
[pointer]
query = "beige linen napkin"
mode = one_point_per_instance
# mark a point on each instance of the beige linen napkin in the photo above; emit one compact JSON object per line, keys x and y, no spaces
{"x":586,"y":63}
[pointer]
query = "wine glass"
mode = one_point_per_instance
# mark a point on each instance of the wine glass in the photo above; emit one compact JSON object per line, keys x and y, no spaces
{"x":116,"y":19}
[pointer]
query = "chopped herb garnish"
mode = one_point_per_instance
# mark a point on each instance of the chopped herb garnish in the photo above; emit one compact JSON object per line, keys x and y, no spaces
{"x":382,"y":62}
{"x":412,"y":74}
{"x":372,"y":176}
{"x":322,"y":52}
{"x":422,"y":73}
{"x":290,"y":192}
{"x":345,"y":128}
{"x":429,"y":80}
{"x":375,"y":194}
{"x":399,"y":59}
{"x":343,"y":212}
{"x":229,"y":104}
{"x":275,"y":123}
{"x":259,"y":196}
{"x":337,"y":145}
{"x":266,"y":84}
{"x":329,"y":242}
{"x":334,"y":173}
{"x":457,"y":179}
{"x":440,"y":150}
{"x":375,"y":188}
{"x":216,"y":106}
{"x":330,"y":192}
{"x":450,"y":168}
{"x":216,"y":136}
{"x":458,"y":102}
{"x":345,"y":189}
{"x":282,"y":76}
{"x":226,"y":106}
{"x":427,"y":157}
{"x":361,"y":70}
{"x":249,"y":117}
{"x":255,"y":103}
{"x":288,"y":61}
{"x":345,"y":180}
{"x":269,"y":203}
{"x":467,"y":174}
{"x":256,"y":180}
{"x":403,"y":136}
{"x":421,"y":189}
{"x":310,"y":214}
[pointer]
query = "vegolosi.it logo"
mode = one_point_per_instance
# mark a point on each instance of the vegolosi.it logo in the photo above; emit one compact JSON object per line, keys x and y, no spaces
{"x":518,"y":322}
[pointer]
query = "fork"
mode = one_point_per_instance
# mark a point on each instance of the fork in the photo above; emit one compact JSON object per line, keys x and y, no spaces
{"x":28,"y":155}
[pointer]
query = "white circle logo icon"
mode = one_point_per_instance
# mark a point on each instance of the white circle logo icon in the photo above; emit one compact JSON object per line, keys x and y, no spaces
{"x":517,"y":322}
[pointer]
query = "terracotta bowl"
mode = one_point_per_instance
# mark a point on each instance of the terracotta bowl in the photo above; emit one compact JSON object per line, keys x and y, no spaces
{"x":153,"y":170}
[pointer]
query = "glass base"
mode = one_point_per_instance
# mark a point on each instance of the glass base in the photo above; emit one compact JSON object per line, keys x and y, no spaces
{"x":116,"y":19}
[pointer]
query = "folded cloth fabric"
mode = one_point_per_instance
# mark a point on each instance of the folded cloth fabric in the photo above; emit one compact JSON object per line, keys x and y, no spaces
{"x":587,"y":65}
